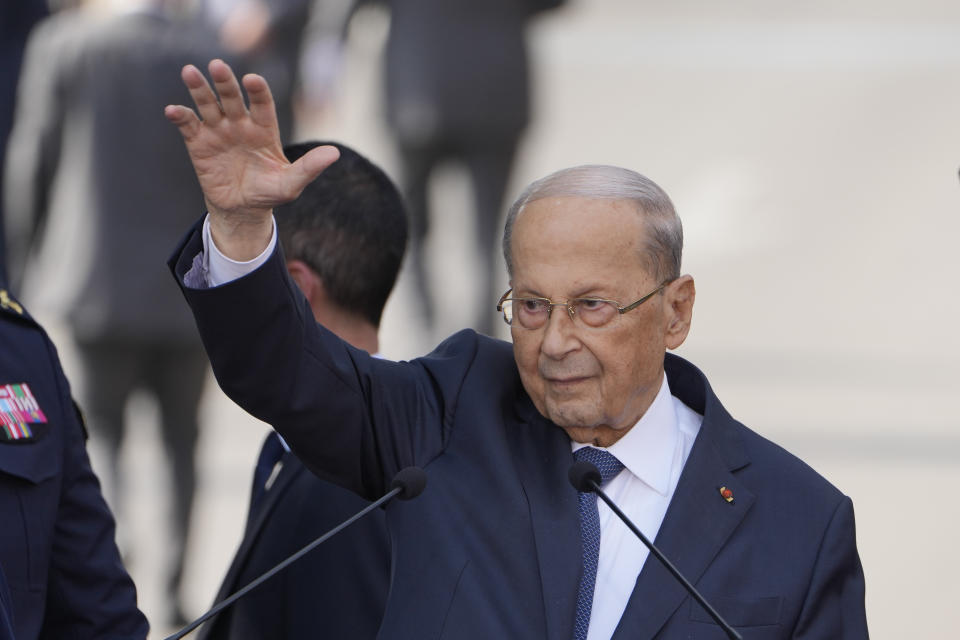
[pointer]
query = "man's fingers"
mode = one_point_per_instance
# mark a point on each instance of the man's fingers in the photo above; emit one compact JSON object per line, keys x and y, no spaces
{"x":184,"y":118}
{"x":262,"y":109}
{"x":308,"y":167}
{"x":202,"y":94}
{"x":231,"y":99}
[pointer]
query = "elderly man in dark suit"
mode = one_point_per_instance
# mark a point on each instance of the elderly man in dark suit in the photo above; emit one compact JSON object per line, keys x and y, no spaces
{"x":96,"y":190}
{"x":344,"y":239}
{"x":499,"y":545}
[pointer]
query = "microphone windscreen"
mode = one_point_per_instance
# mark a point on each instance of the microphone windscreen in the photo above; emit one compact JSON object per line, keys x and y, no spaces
{"x":583,"y":476}
{"x":411,"y":481}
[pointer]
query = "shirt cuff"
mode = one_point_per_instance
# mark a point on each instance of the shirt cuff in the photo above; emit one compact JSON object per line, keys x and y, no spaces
{"x":220,"y":269}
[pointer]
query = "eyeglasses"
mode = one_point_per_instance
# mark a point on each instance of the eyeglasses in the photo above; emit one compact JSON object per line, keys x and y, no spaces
{"x":532,"y":313}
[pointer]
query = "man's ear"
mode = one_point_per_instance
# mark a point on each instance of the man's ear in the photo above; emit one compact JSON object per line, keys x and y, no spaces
{"x":306,"y":278}
{"x":679,"y":296}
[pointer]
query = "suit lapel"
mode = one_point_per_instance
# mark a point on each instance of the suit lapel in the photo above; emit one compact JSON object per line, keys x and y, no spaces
{"x":698,"y":523}
{"x":542,"y":456}
{"x":256,"y":522}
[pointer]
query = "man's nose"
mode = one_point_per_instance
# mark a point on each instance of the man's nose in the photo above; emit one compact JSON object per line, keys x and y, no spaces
{"x":559,"y":334}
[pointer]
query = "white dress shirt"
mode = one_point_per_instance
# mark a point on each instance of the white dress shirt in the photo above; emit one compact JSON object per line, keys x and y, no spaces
{"x":220,"y":269}
{"x":653,"y":453}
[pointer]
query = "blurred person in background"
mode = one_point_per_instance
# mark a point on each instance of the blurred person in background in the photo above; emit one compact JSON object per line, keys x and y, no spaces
{"x":266,"y":37}
{"x":458,"y":89}
{"x":57,"y":550}
{"x":457,"y":77}
{"x":96,"y":190}
{"x":16,"y":21}
{"x":344,"y":240}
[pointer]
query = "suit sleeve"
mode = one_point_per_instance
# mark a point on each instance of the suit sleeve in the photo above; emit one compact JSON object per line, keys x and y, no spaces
{"x":89,"y":593}
{"x":352,"y":419}
{"x":834,"y":606}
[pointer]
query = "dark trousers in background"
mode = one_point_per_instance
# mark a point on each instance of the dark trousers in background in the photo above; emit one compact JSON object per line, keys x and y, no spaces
{"x":174,"y":374}
{"x":489,"y":161}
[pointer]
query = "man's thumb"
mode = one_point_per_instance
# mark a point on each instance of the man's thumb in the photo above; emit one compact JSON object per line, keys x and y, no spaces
{"x":309,"y":166}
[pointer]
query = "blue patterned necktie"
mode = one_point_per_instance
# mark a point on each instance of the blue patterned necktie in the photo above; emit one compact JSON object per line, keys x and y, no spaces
{"x":608,"y":466}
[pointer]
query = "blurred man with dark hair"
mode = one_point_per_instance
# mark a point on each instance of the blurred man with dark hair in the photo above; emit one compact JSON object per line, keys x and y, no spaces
{"x":344,"y":240}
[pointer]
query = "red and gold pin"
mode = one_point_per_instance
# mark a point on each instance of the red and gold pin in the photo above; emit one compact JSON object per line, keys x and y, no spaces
{"x":726,"y":494}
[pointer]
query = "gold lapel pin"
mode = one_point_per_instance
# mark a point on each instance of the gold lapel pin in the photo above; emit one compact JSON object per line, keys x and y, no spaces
{"x":726,"y":494}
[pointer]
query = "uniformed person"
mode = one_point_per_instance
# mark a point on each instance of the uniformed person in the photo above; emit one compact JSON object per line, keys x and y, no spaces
{"x":57,"y":548}
{"x":6,"y":624}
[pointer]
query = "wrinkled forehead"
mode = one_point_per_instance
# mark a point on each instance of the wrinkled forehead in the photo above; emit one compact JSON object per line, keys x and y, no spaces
{"x":582,"y":214}
{"x":598,"y":233}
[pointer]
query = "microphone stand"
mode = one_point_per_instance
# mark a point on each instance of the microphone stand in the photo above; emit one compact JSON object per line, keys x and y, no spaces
{"x":409,"y":482}
{"x":730,"y":631}
{"x":585,"y":477}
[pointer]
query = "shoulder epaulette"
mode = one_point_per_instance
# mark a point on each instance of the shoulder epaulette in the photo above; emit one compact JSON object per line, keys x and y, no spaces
{"x":11,"y":309}
{"x":7,"y":303}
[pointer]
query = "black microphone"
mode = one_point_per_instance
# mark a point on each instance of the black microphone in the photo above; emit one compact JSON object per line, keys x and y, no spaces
{"x":411,"y":482}
{"x":408,"y":483}
{"x":585,"y":478}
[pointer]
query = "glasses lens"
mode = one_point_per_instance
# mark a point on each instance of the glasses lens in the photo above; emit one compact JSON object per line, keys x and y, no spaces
{"x":506,"y":306}
{"x":531,"y":313}
{"x":595,"y":313}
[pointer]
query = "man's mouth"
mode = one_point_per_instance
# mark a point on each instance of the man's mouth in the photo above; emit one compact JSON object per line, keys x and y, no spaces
{"x":565,"y":381}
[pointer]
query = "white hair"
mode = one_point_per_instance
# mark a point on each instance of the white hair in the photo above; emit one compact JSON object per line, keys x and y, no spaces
{"x":663,"y":243}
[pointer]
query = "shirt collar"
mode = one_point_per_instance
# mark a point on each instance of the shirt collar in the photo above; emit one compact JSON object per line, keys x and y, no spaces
{"x":647,"y":449}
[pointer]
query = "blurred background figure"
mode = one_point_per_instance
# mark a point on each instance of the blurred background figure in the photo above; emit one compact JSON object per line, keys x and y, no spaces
{"x":97,"y":190}
{"x":266,"y":37}
{"x":16,"y":21}
{"x":458,"y":89}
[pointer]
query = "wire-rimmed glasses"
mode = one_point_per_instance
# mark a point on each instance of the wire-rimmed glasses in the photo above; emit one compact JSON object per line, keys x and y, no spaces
{"x":532,"y":313}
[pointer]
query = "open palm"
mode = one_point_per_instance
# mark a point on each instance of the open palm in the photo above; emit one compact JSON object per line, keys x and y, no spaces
{"x":236,"y":151}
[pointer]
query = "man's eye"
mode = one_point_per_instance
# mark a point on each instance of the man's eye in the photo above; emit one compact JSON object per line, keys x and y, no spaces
{"x":534,"y":306}
{"x":588,"y":304}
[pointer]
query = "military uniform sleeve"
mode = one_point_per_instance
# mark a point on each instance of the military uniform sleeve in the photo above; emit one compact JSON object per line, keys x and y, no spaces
{"x":89,"y":593}
{"x":6,"y":609}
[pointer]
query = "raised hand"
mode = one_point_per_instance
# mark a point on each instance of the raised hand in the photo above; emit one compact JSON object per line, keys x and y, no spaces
{"x":238,"y":157}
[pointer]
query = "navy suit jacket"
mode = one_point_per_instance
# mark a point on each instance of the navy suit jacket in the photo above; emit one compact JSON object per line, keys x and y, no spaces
{"x":57,"y":547}
{"x":491,"y":549}
{"x":339,"y":587}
